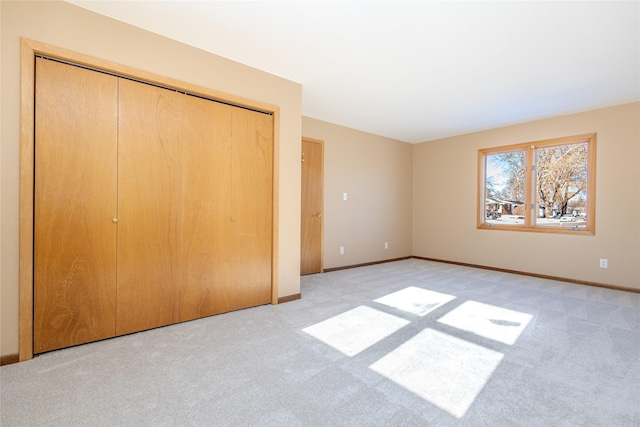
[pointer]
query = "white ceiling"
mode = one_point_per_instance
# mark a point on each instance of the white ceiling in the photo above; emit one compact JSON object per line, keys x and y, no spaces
{"x":418,"y":70}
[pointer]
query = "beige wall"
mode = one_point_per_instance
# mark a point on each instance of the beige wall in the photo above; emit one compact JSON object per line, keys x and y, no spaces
{"x":375,"y":172}
{"x":68,"y":26}
{"x":444,"y":204}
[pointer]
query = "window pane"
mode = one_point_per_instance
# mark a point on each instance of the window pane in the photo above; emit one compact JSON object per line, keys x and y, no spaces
{"x":505,"y":188}
{"x":552,"y":179}
{"x":561,"y":185}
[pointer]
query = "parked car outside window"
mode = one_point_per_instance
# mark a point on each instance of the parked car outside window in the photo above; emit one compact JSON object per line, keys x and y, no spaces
{"x":493,"y":214}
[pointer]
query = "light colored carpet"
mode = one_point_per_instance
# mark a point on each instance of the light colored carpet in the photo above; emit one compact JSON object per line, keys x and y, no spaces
{"x":408,"y":343}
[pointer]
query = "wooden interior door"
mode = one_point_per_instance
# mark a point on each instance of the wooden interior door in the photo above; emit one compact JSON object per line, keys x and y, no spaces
{"x":148,"y":207}
{"x":206,"y":207}
{"x":251,"y":208}
{"x":312,"y":207}
{"x":75,"y":202}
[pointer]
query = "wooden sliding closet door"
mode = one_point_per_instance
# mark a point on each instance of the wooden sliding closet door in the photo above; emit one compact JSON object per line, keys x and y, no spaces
{"x":148,"y":207}
{"x":151,"y":206}
{"x":227,"y":208}
{"x":75,"y":203}
{"x":251,"y":208}
{"x":206,"y":207}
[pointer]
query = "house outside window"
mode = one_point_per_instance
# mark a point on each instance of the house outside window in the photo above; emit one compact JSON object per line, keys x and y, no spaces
{"x":544,"y":186}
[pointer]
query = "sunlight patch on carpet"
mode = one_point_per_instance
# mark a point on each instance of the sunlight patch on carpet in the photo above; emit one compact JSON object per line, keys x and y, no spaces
{"x":415,"y":300}
{"x":444,"y":370}
{"x":489,"y":321}
{"x":356,"y":330}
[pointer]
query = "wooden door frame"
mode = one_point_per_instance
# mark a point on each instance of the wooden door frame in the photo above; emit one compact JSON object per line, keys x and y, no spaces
{"x":28,"y":51}
{"x":321,"y":142}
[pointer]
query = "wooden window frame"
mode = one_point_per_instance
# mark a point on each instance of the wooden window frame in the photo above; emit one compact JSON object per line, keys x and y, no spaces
{"x":530,"y":221}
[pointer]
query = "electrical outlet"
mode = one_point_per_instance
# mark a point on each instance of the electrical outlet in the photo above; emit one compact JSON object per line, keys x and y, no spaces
{"x":344,"y":196}
{"x":386,"y":245}
{"x":341,"y":250}
{"x":604,"y":263}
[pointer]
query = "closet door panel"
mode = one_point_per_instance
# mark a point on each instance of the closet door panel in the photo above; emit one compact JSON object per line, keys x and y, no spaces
{"x":206,"y":207}
{"x":75,"y":201}
{"x":148,"y":207}
{"x":251,"y":204}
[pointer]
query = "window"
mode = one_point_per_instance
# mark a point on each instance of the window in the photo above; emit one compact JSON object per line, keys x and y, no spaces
{"x":545,"y":186}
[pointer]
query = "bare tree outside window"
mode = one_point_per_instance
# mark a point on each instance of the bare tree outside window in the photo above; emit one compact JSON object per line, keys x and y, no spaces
{"x":512,"y":168}
{"x":544,"y":185}
{"x":506,"y":187}
{"x":561,"y":178}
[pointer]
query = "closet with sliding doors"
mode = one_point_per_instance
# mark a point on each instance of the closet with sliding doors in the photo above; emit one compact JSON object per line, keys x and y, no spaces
{"x":151,"y":206}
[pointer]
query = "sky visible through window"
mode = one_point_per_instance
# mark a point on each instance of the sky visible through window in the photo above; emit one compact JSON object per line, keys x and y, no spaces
{"x":539,"y":184}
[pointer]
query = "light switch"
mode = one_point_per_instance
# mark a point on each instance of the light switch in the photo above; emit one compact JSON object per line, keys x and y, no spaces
{"x":344,"y":196}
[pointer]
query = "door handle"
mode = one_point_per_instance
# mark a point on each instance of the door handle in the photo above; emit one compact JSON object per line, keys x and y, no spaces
{"x":318,"y":215}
